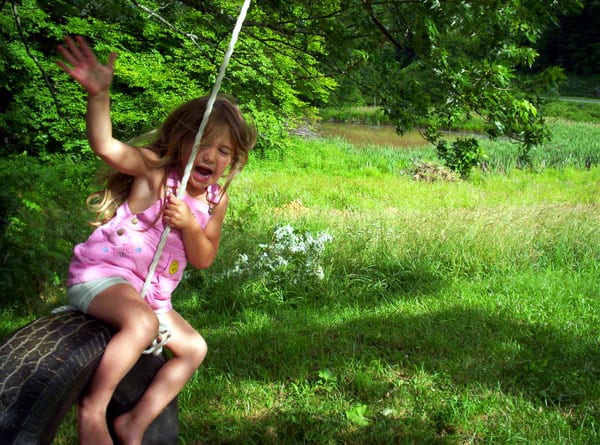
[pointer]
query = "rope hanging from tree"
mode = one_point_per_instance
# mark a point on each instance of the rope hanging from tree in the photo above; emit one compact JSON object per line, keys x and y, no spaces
{"x":164,"y":333}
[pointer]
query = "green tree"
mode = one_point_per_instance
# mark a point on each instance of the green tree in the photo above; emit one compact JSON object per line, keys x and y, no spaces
{"x":432,"y":62}
{"x":427,"y":63}
{"x":168,"y":53}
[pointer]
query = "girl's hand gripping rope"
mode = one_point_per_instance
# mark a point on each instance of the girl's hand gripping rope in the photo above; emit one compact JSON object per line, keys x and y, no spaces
{"x":178,"y":214}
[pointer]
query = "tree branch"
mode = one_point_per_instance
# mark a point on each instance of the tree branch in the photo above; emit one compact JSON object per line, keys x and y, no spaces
{"x":369,"y":7}
{"x":15,"y":13}
{"x":189,"y":35}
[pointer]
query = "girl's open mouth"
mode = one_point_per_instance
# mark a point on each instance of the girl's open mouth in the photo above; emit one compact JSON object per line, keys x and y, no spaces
{"x":203,"y":172}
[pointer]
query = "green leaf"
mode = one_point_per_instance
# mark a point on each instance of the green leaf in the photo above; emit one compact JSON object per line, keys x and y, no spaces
{"x":357,"y":415}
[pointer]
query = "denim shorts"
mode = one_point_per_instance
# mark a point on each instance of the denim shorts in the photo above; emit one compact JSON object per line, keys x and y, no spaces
{"x":80,"y":295}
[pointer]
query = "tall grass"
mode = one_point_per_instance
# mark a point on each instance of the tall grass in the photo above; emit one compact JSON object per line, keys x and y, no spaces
{"x":574,"y":128}
{"x":575,"y":144}
{"x":351,"y":114}
{"x":572,"y":109}
{"x":447,"y":312}
{"x":572,"y":144}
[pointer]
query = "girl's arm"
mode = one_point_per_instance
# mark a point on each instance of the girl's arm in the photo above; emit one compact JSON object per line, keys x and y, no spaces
{"x":84,"y":67}
{"x":201,"y":245}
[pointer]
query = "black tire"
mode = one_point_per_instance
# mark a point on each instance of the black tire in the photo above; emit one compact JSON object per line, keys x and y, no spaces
{"x":165,"y":428}
{"x":44,"y":368}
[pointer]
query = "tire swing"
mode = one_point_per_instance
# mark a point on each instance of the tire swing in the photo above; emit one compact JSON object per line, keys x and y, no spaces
{"x":46,"y":365}
{"x":45,"y":368}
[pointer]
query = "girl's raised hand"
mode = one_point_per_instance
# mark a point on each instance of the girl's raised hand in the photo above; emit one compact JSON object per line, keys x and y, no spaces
{"x":85,"y":67}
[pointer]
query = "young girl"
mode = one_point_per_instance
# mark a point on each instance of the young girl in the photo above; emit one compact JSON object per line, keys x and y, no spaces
{"x":108,"y":270}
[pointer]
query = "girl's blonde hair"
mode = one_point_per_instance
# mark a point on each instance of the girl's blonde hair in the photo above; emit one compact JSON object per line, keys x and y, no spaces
{"x":173,"y":145}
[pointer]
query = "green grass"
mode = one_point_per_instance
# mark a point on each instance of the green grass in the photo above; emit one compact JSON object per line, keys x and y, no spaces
{"x":449,"y":312}
{"x":365,"y":115}
{"x":573,"y":109}
{"x":573,"y":144}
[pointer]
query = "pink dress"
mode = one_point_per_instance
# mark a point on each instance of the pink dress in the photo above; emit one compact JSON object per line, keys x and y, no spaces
{"x":125,"y":246}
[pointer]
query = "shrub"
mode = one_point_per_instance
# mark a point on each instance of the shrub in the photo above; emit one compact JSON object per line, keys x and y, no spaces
{"x":461,"y":155}
{"x":42,"y":216}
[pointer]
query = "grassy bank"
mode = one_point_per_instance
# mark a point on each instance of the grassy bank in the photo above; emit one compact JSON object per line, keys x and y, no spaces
{"x":573,"y":109}
{"x":575,"y":140}
{"x":390,"y":310}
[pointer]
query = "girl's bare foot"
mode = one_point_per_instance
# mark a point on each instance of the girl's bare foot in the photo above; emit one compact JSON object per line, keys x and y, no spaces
{"x":126,"y":430}
{"x":92,"y":426}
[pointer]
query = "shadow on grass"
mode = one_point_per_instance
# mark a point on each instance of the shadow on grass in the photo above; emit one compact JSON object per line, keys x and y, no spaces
{"x":465,"y":347}
{"x":359,"y":335}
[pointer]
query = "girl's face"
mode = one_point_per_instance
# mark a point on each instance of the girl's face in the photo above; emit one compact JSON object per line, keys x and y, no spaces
{"x":215,"y":154}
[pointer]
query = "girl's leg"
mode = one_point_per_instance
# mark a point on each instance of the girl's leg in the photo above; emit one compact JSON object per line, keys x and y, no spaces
{"x":189,"y":349}
{"x":123,"y":308}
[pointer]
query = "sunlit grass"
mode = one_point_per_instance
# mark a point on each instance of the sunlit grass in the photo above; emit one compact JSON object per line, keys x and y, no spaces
{"x":449,"y":312}
{"x":572,"y":144}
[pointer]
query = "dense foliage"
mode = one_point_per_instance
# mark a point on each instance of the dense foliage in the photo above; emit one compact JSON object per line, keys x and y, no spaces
{"x":42,"y":216}
{"x":574,"y":43}
{"x":426,"y":61}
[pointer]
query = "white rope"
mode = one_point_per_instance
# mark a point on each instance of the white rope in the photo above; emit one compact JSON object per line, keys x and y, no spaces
{"x":164,"y":332}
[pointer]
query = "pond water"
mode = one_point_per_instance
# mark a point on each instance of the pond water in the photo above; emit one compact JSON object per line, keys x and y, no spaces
{"x":361,"y":135}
